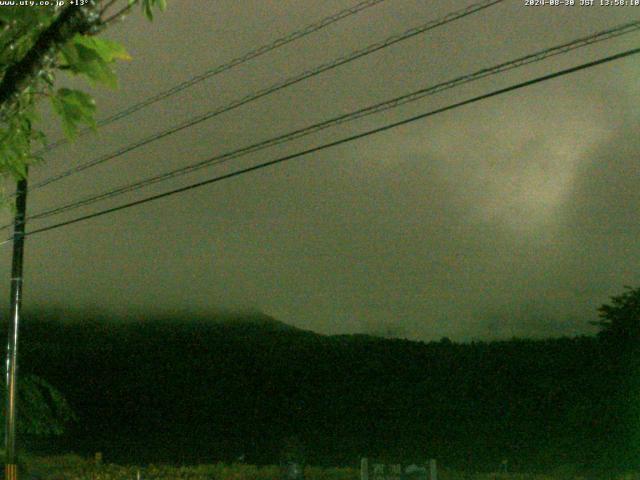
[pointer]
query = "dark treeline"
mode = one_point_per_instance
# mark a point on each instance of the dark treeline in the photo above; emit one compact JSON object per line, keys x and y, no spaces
{"x":209,"y":389}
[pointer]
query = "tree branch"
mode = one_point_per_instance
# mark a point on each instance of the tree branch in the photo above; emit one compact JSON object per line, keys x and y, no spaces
{"x":119,"y":14}
{"x":72,"y":20}
{"x":109,"y":4}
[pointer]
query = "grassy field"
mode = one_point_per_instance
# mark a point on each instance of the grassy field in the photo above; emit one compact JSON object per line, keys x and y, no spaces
{"x":72,"y":467}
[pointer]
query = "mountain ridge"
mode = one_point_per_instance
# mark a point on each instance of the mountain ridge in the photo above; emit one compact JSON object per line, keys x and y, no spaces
{"x":194,"y":390}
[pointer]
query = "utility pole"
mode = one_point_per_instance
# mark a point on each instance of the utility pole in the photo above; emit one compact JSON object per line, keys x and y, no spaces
{"x":11,"y":469}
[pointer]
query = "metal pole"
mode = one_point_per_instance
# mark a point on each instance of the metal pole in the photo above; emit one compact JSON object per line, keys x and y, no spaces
{"x":11,"y":469}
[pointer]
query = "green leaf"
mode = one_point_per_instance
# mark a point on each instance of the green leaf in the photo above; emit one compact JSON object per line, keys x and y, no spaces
{"x":146,"y":8}
{"x":70,"y":55}
{"x":148,"y":5}
{"x":92,"y":57}
{"x":90,"y":64}
{"x":20,"y":168}
{"x":107,"y":50}
{"x":74,"y":108}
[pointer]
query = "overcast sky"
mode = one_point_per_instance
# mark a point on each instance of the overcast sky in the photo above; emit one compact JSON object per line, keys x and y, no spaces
{"x":517,"y":215}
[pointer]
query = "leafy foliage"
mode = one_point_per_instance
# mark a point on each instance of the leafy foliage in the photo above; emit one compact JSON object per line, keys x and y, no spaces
{"x":23,"y":35}
{"x":148,"y":6}
{"x":92,"y":57}
{"x":620,"y":320}
{"x":20,"y":28}
{"x":74,"y":107}
{"x":75,"y":468}
{"x":43,"y":411}
{"x":16,"y":135}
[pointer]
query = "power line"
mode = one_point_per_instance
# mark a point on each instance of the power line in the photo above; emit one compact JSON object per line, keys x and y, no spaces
{"x":360,"y":113}
{"x":338,"y":142}
{"x":255,"y":53}
{"x":392,"y":40}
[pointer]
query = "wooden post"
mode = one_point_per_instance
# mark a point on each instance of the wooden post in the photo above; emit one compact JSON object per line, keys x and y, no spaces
{"x":433,"y":469}
{"x":364,"y":469}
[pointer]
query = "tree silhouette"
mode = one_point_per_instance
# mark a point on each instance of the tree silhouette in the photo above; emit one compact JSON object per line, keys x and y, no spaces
{"x":620,"y":321}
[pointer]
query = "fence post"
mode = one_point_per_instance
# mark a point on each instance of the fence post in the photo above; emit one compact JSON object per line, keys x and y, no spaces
{"x":433,"y":469}
{"x":364,"y":468}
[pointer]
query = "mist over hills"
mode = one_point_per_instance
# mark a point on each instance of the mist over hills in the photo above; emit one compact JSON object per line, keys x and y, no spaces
{"x":188,"y":389}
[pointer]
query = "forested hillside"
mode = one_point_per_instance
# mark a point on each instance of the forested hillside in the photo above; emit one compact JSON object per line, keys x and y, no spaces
{"x":208,"y":389}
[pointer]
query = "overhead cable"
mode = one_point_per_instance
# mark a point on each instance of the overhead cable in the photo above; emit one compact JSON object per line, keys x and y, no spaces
{"x":272,"y":89}
{"x":360,"y":113}
{"x":336,"y":142}
{"x":255,"y":53}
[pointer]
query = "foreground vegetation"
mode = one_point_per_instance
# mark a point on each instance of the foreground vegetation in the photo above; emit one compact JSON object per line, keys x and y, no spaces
{"x":241,"y":387}
{"x":72,"y":467}
{"x":206,"y":390}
